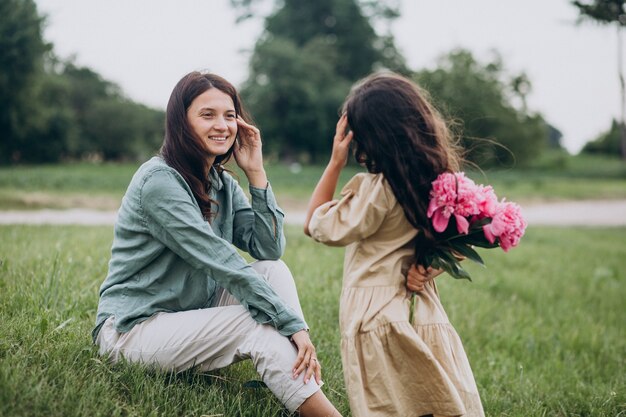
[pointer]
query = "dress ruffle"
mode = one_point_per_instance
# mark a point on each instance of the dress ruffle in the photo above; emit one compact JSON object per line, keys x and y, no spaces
{"x":393,"y":368}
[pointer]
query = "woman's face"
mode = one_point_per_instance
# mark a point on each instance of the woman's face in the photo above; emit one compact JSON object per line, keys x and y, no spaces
{"x":213,"y":120}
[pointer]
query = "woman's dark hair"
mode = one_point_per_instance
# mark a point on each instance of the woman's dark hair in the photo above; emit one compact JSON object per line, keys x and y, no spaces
{"x":399,"y":133}
{"x":182,"y":149}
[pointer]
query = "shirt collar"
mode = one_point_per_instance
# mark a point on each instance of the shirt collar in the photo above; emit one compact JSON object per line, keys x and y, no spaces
{"x":216,"y":180}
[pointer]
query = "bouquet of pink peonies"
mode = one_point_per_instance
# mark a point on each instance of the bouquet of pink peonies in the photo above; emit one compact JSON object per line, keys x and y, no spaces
{"x":465,"y":215}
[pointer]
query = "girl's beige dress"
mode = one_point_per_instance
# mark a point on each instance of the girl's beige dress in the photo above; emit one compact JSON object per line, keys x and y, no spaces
{"x":391,"y":368}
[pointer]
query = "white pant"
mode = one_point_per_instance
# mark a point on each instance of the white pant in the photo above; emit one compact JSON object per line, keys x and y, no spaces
{"x":216,"y":337}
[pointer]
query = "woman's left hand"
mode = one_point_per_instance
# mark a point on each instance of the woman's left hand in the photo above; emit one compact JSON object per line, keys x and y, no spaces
{"x":418,"y":276}
{"x":248,"y":153}
{"x":307,"y":358}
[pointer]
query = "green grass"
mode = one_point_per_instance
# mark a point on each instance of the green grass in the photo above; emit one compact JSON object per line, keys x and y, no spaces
{"x":101,"y":186}
{"x":560,"y":177}
{"x":543,"y":327}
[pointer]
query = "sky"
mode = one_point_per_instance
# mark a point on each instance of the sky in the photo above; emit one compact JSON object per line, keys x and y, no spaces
{"x":146,"y":46}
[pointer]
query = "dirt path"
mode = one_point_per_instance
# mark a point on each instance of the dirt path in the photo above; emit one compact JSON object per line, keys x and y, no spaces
{"x":570,"y":213}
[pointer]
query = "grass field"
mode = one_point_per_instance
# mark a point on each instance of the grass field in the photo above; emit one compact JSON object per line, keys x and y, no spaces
{"x":102,"y":186}
{"x":543,"y":327}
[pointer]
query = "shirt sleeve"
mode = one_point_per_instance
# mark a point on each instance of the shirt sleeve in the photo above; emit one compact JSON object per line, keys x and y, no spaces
{"x":174,"y":218}
{"x":364,"y":203}
{"x":258,"y":227}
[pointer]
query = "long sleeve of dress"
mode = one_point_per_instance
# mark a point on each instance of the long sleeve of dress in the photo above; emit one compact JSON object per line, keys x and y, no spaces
{"x":357,"y":215}
{"x":175,"y":219}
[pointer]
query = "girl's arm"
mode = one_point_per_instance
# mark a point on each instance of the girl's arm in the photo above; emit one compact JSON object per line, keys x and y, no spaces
{"x":325,"y":188}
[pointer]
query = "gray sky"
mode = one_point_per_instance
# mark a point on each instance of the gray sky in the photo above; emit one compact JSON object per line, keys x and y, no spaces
{"x":145,"y":46}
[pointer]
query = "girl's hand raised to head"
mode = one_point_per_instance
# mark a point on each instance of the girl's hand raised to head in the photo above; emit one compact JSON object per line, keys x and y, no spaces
{"x":418,"y":276}
{"x":341,"y":142}
{"x":248,"y":153}
{"x":307,"y":358}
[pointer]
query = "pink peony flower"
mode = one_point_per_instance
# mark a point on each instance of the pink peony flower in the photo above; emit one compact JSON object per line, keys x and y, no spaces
{"x":442,"y":200}
{"x":488,"y":201}
{"x":507,"y":224}
{"x":454,"y":195}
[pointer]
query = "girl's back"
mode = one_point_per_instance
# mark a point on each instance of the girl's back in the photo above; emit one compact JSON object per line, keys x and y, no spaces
{"x":371,"y":224}
{"x":391,"y":367}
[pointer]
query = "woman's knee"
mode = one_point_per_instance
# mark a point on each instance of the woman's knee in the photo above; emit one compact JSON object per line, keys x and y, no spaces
{"x":279,"y":277}
{"x":274,"y":271}
{"x":270,"y":265}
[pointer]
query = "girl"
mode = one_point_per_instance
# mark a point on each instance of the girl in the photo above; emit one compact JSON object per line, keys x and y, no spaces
{"x":391,"y":368}
{"x":178,"y":295}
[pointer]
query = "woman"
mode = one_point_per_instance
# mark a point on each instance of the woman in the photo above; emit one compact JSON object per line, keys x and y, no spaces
{"x":178,"y":295}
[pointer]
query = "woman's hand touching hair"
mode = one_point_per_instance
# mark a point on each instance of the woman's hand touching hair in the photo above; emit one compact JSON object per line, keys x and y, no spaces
{"x":248,"y":153}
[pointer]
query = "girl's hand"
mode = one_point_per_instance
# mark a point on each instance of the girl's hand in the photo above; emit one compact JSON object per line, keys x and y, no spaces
{"x":307,"y":358}
{"x":341,"y":142}
{"x":248,"y":154}
{"x":418,"y":276}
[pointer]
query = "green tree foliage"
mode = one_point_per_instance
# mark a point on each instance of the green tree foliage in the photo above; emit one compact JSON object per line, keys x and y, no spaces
{"x":480,"y":99}
{"x":607,"y":143}
{"x":21,"y":62}
{"x":610,"y":12}
{"x":111,"y":126}
{"x":303,"y":65}
{"x":52,"y":126}
{"x":295,"y":96}
{"x":50,"y":110}
{"x":603,"y":11}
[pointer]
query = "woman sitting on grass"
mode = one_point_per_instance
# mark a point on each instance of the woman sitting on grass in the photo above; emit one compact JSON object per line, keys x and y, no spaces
{"x":178,"y":295}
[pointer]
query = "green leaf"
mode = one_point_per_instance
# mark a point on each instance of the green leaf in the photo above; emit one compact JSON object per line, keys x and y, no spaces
{"x":478,"y":239}
{"x":450,"y":264}
{"x":469,"y":253}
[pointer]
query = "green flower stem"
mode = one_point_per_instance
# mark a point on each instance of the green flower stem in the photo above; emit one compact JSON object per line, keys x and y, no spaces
{"x":412,"y":309}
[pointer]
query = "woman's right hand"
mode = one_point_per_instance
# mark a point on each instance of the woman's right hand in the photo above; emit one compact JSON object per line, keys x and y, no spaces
{"x":341,"y":142}
{"x":307,"y":358}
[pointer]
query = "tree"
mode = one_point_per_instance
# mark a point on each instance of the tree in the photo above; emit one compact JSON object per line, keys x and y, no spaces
{"x":295,"y":96}
{"x":304,"y":63}
{"x":52,"y":110}
{"x":479,"y":99}
{"x":607,"y":143}
{"x":610,"y":12}
{"x":22,"y":50}
{"x":111,"y":126}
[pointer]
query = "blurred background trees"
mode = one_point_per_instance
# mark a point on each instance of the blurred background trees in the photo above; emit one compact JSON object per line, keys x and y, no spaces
{"x":303,"y":65}
{"x":52,"y":110}
{"x":607,"y":143}
{"x":300,"y":70}
{"x":311,"y":52}
{"x":610,"y":12}
{"x":488,"y":109}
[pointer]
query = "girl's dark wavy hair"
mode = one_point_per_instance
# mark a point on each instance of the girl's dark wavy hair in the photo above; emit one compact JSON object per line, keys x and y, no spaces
{"x":399,"y":133}
{"x":182,"y":149}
